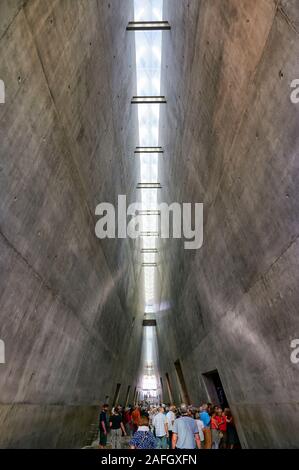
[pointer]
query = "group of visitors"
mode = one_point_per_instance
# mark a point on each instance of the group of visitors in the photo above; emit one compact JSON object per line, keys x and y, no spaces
{"x":168,"y":427}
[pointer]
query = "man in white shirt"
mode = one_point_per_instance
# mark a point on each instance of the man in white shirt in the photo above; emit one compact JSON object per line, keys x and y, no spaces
{"x":170,"y":421}
{"x":161,"y":429}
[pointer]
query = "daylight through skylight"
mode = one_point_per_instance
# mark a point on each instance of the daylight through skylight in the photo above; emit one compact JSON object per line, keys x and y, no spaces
{"x":148,"y":63}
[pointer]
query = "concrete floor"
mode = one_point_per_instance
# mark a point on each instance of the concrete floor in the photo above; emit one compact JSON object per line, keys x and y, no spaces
{"x":70,"y":305}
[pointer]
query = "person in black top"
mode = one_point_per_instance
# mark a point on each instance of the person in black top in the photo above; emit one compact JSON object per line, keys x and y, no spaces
{"x":117,"y":427}
{"x":104,"y":426}
{"x":144,"y":413}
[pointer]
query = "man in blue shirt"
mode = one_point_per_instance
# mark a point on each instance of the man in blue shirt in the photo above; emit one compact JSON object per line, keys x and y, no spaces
{"x":185,"y":431}
{"x":206,"y":419}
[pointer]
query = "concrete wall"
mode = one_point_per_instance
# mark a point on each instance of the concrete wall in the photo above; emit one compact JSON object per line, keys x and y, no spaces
{"x":70,"y":304}
{"x":232,"y":140}
{"x":67,"y":300}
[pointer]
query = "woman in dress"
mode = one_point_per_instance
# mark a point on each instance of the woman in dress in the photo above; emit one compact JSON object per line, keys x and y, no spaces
{"x":232,"y":436}
{"x":143,"y":437}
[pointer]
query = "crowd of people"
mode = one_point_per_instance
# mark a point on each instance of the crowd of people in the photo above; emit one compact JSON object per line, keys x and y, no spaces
{"x":168,"y":427}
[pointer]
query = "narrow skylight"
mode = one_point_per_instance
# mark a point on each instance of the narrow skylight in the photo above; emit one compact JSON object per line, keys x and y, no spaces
{"x":148,"y":62}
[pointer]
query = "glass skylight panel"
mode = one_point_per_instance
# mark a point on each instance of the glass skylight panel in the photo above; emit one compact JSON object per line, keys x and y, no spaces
{"x":149,"y":258}
{"x":150,"y":223}
{"x":149,"y":168}
{"x":148,"y":10}
{"x":149,"y":309}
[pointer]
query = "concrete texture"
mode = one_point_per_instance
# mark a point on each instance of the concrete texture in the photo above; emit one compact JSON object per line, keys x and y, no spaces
{"x":71,"y":305}
{"x":66,"y":298}
{"x":231,"y":135}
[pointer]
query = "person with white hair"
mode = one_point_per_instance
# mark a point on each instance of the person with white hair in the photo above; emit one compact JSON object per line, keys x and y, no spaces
{"x":161,"y":428}
{"x":185,"y":431}
{"x":170,"y":421}
{"x":200,"y":426}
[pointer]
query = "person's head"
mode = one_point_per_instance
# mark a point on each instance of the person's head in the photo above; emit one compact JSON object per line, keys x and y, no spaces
{"x":144,"y":421}
{"x":219,"y":411}
{"x":227,"y":413}
{"x":105,"y":407}
{"x":184,"y":409}
{"x":172,"y":408}
{"x":161,"y":409}
{"x":204,"y":407}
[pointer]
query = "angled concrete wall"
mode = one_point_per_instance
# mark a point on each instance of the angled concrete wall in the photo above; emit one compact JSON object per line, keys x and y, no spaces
{"x":66,"y":300}
{"x":69,"y":304}
{"x":231,"y":136}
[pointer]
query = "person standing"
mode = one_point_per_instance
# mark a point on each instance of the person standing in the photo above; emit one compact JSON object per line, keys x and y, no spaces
{"x":150,"y":416}
{"x":136,"y":415}
{"x":117,"y":427}
{"x":206,"y":419}
{"x":185,"y":431}
{"x":232,"y":435}
{"x":128,"y":421}
{"x":215,"y":428}
{"x":144,"y":412}
{"x":104,"y":426}
{"x":161,"y":429}
{"x":222,"y":426}
{"x":170,"y":421}
{"x":200,"y":427}
{"x":143,"y":437}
